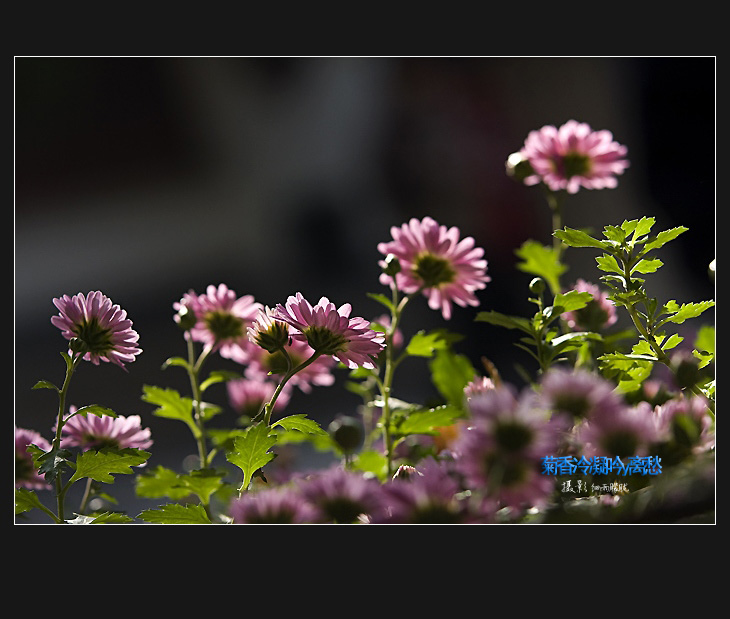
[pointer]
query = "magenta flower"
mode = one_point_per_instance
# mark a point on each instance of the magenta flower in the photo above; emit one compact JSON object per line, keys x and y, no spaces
{"x":598,"y":314}
{"x":222,"y":320}
{"x":279,"y":505}
{"x":572,"y":157}
{"x":428,"y":495}
{"x":330,"y":331}
{"x":579,"y":393}
{"x":433,"y":258}
{"x":26,"y":474}
{"x":247,"y":396}
{"x":97,"y":328}
{"x":341,"y":496}
{"x":623,"y":432}
{"x":499,"y":453}
{"x":93,"y":432}
{"x":267,"y":332}
{"x":684,"y":424}
{"x":479,"y":384}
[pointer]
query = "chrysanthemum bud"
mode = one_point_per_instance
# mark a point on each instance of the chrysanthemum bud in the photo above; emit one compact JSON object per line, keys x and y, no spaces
{"x":392,"y":265}
{"x":271,"y":335}
{"x":518,"y":167}
{"x":686,"y":370}
{"x":347,"y":433}
{"x":185,"y":318}
{"x":537,"y":286}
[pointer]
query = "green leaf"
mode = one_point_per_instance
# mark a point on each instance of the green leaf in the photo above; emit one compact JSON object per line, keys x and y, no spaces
{"x":98,"y":465}
{"x":643,"y":227}
{"x":45,"y":384}
{"x":371,"y":461}
{"x":159,"y":483}
{"x":202,"y":483}
{"x":251,"y":451}
{"x":647,"y":266}
{"x":502,"y":320}
{"x":171,"y":405}
{"x":571,"y":301}
{"x":424,"y":344}
{"x":426,"y":421}
{"x":381,"y":298}
{"x":542,"y":261}
{"x":25,"y":500}
{"x":574,"y":339}
{"x":103,"y":518}
{"x":176,"y":514}
{"x":614,"y":233}
{"x":671,"y":342}
{"x":93,"y":409}
{"x":608,"y":263}
{"x":176,"y":361}
{"x":687,"y":310}
{"x":300,"y":423}
{"x":664,"y":237}
{"x":450,"y":373}
{"x":218,"y":376}
{"x":706,"y":339}
{"x":50,"y":463}
{"x":578,"y":238}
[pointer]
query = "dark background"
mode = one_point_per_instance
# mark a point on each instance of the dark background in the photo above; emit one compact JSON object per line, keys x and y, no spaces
{"x":147,"y":177}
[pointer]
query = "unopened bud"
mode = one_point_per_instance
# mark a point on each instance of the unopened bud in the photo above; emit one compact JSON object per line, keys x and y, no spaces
{"x":347,"y":433}
{"x":392,"y":265}
{"x":518,"y":167}
{"x":537,"y":286}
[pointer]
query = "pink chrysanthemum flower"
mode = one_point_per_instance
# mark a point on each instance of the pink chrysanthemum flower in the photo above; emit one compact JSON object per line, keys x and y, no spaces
{"x":579,"y":393}
{"x":624,"y":432}
{"x":280,"y":505}
{"x":26,"y":474}
{"x":598,"y":314}
{"x":341,"y":496}
{"x":267,"y":332}
{"x":330,"y":331}
{"x":433,"y":258}
{"x":685,"y":427}
{"x":573,"y":156}
{"x":97,"y":328}
{"x":222,"y":321}
{"x":93,"y":432}
{"x":499,"y":453}
{"x":247,"y":396}
{"x":477,"y":385}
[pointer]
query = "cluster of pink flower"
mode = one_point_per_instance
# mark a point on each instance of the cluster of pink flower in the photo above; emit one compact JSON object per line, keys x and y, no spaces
{"x":494,"y":459}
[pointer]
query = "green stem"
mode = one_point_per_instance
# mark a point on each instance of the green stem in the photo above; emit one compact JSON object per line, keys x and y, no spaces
{"x":269,"y":406}
{"x":194,"y":375}
{"x":556,"y":207}
{"x":390,"y":364}
{"x":60,"y":490}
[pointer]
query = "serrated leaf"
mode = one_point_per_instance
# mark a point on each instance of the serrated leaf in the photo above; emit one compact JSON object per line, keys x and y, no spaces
{"x":664,"y":237}
{"x":502,"y":320}
{"x":251,"y":451}
{"x":609,"y":264}
{"x":25,"y":500}
{"x":175,"y":514}
{"x":171,"y":405}
{"x":571,"y":301}
{"x":160,"y":482}
{"x":578,"y":238}
{"x":202,"y":483}
{"x":542,"y":261}
{"x":672,"y":341}
{"x":614,"y":233}
{"x":686,"y":311}
{"x":647,"y":266}
{"x":50,"y":463}
{"x":643,"y":227}
{"x":424,"y":344}
{"x":300,"y":423}
{"x":99,"y":465}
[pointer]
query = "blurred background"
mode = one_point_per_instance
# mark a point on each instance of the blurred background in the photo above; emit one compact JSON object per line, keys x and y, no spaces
{"x":145,"y":177}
